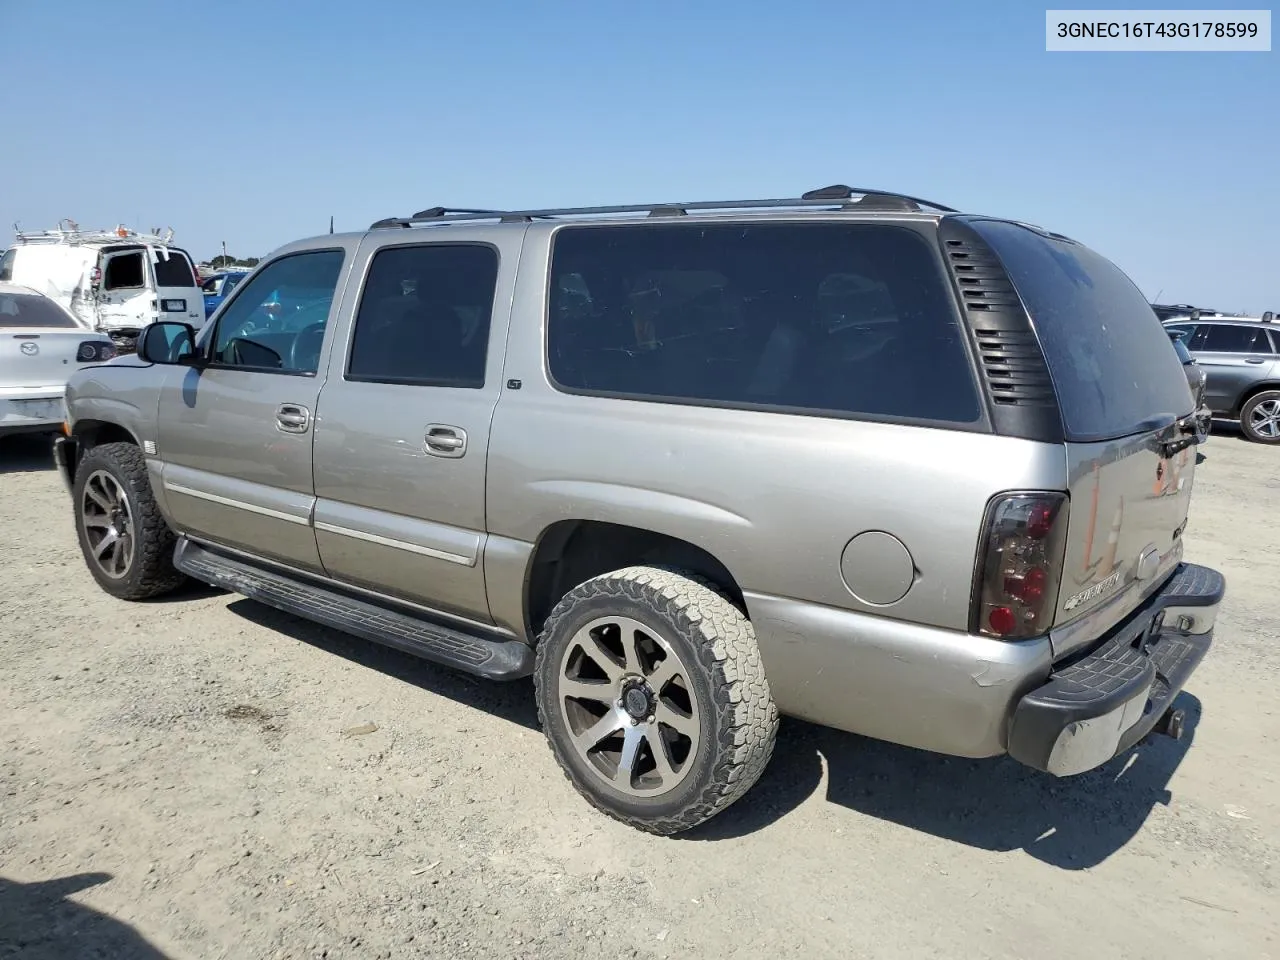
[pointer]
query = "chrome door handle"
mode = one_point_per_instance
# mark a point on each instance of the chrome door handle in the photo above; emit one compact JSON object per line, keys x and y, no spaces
{"x":292,"y":418}
{"x":443,"y":440}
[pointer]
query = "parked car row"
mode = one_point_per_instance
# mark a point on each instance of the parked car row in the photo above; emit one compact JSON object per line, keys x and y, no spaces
{"x":115,"y":281}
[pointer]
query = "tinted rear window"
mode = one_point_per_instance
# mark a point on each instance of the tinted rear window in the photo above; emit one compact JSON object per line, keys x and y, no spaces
{"x":847,"y":319}
{"x":1107,"y":352}
{"x":173,"y":272}
{"x":27,"y":310}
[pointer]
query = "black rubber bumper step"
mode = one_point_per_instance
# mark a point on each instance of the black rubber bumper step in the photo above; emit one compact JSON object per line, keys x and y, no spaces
{"x":491,"y":657}
{"x":1144,"y":657}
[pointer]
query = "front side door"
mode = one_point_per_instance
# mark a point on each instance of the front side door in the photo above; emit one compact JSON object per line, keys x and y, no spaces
{"x":403,"y":431}
{"x":235,"y":434}
{"x":1233,"y":356}
{"x":124,"y":299}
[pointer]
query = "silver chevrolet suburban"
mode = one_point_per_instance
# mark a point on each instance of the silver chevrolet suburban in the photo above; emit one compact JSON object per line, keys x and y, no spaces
{"x":852,"y":457}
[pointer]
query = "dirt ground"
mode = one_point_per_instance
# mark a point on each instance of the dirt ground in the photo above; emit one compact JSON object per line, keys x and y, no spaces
{"x":204,"y":777}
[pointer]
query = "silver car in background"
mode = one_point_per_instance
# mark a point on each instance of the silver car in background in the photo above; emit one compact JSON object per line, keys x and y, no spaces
{"x":41,"y":345}
{"x":1240,"y":357}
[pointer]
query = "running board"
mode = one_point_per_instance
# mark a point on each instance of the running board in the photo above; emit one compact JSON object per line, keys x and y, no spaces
{"x":491,"y":658}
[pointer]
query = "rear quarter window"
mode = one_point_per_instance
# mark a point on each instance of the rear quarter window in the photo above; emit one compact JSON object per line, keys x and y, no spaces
{"x":1108,"y":355}
{"x":833,"y":319}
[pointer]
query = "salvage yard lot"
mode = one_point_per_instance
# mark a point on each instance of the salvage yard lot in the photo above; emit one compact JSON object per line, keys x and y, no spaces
{"x":205,"y":777}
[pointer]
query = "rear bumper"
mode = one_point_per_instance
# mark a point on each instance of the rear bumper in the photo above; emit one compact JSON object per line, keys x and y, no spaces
{"x":23,"y":411}
{"x":1106,"y":702}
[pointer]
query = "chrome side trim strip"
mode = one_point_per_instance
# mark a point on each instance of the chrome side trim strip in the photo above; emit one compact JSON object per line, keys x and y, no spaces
{"x":239,"y":504}
{"x":396,"y":544}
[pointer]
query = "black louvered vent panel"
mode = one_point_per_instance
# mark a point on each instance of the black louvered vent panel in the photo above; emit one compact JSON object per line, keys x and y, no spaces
{"x":1011,"y":359}
{"x":1014,"y":367}
{"x":983,"y":282}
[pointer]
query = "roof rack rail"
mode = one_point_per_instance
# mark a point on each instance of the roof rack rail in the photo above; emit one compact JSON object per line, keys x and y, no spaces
{"x":836,"y":195}
{"x":68,"y":231}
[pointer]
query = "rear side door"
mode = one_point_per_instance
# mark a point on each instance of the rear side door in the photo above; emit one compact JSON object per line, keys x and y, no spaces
{"x":1233,"y":356}
{"x":402,"y":437}
{"x":235,"y":435}
{"x":124,"y":299}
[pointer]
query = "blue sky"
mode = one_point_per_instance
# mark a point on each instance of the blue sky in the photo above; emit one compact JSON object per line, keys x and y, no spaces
{"x":254,"y":122}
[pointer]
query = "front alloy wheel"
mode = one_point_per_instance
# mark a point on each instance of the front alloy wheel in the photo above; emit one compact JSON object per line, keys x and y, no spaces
{"x":107,"y":522}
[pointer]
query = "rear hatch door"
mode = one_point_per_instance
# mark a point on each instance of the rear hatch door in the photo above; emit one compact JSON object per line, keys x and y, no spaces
{"x":178,"y":293}
{"x":1125,"y":405}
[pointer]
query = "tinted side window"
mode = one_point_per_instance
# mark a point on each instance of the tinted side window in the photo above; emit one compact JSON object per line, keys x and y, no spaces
{"x":124,"y":272}
{"x":1106,"y":351}
{"x":6,"y":265}
{"x":424,"y":316}
{"x":845,"y":318}
{"x":277,"y":321}
{"x":1230,"y":338}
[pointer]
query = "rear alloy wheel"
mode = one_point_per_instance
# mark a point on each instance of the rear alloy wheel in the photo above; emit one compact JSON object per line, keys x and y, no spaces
{"x":127,"y":545}
{"x":1260,"y":417}
{"x":651,"y":692}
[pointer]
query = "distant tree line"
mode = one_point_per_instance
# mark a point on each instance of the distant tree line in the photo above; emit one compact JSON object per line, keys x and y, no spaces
{"x":220,"y":262}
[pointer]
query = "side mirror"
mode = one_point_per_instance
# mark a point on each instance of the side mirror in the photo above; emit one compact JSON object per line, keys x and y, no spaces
{"x":168,"y":342}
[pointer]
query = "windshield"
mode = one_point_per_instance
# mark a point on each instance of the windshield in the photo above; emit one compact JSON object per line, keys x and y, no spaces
{"x":1106,"y":350}
{"x":32,"y":310}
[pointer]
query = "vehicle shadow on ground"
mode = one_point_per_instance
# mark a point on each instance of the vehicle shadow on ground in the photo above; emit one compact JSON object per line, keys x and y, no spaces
{"x":512,"y":701}
{"x":26,"y":453}
{"x":39,"y":922}
{"x":995,"y":804}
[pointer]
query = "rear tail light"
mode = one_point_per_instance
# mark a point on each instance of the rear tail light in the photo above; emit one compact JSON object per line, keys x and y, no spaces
{"x":95,"y":351}
{"x":1019,"y":565}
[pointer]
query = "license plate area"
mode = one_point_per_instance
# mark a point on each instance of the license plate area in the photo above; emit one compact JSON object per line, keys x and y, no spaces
{"x":43,"y":408}
{"x":174,"y":306}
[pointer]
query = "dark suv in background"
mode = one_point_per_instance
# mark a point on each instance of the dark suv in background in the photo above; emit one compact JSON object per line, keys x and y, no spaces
{"x":1241,"y":361}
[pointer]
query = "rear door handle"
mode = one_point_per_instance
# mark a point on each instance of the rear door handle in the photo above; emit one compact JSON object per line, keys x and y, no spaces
{"x":292,"y":418}
{"x":1257,"y":360}
{"x":443,"y":440}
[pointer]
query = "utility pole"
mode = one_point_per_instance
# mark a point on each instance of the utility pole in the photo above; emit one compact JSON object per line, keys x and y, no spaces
{"x":224,"y":253}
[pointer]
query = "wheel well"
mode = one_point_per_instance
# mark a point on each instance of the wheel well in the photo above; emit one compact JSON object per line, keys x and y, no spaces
{"x":1252,"y":392}
{"x":573,"y":551}
{"x":94,"y":433}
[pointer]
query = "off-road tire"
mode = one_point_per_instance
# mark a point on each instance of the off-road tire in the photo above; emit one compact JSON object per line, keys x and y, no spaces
{"x":1246,"y":411}
{"x":152,"y":573}
{"x":739,"y":720}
